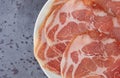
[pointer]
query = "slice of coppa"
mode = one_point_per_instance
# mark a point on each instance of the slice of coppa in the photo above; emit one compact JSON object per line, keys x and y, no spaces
{"x":112,"y":8}
{"x":71,"y":18}
{"x":92,"y":55}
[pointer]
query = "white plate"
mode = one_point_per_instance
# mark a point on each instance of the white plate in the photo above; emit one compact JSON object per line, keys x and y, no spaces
{"x":41,"y":17}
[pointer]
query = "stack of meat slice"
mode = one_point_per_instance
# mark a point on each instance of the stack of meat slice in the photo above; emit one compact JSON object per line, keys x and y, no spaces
{"x":80,"y":39}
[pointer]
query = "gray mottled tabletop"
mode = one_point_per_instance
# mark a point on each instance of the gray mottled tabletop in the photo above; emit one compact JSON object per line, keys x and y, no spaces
{"x":17,"y":19}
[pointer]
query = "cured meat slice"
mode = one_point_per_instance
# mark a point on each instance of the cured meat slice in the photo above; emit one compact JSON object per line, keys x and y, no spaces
{"x":116,"y":30}
{"x":112,"y":7}
{"x":70,"y":19}
{"x":91,"y":56}
{"x":103,"y":23}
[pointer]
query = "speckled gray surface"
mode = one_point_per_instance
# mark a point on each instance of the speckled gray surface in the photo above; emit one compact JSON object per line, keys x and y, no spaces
{"x":17,"y":18}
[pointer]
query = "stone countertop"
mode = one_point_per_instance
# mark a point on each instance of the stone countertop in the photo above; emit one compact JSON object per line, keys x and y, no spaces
{"x":17,"y":19}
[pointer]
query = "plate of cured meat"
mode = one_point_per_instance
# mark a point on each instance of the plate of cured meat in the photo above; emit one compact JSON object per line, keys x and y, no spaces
{"x":79,"y":39}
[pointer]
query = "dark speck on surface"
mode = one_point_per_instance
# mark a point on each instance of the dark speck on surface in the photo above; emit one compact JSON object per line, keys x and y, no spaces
{"x":29,"y":51}
{"x":17,"y":45}
{"x":23,"y":35}
{"x":18,"y":4}
{"x":15,"y":62}
{"x":0,"y":29}
{"x":38,"y":68}
{"x":5,"y":21}
{"x":32,"y":73}
{"x":21,"y":59}
{"x":9,"y":68}
{"x":14,"y":22}
{"x":2,"y":56}
{"x":22,"y":42}
{"x":11,"y":63}
{"x":1,"y":70}
{"x":24,"y":62}
{"x":2,"y":51}
{"x":11,"y":46}
{"x":15,"y":71}
{"x":29,"y":60}
{"x":27,"y":37}
{"x":11,"y":40}
{"x":1,"y":41}
{"x":15,"y":15}
{"x":26,"y":42}
{"x":13,"y":30}
{"x":33,"y":63}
